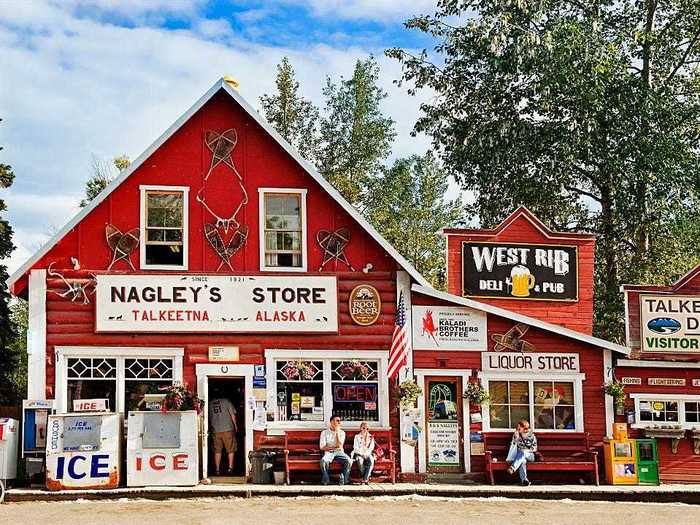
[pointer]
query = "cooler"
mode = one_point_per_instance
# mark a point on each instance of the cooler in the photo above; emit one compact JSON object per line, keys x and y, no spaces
{"x":647,"y":462}
{"x":620,"y":461}
{"x":83,"y":450}
{"x":9,"y":443}
{"x":162,"y":449}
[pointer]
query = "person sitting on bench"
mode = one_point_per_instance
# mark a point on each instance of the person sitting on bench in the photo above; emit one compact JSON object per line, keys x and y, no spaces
{"x":362,"y":449}
{"x":331,"y":444}
{"x":522,"y":449}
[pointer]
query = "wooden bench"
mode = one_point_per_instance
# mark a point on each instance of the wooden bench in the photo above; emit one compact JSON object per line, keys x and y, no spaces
{"x":302,"y":453}
{"x":560,"y":452}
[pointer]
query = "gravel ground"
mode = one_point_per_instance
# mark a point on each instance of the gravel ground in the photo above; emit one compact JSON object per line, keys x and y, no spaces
{"x":333,"y":510}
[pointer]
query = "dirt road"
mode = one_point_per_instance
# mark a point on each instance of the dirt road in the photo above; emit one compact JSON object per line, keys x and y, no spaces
{"x":383,"y":510}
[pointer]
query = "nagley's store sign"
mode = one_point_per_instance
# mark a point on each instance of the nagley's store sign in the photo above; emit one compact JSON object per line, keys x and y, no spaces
{"x":670,"y":323}
{"x":202,"y":303}
{"x":520,"y":271}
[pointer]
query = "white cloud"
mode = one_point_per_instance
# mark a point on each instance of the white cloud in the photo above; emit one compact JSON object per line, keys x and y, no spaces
{"x":74,"y":87}
{"x":368,"y":9}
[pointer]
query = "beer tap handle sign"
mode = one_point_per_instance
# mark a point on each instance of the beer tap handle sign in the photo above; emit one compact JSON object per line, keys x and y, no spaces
{"x":521,"y":281}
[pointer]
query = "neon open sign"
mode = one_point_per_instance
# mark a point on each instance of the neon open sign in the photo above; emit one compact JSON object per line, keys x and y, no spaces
{"x":354,"y":392}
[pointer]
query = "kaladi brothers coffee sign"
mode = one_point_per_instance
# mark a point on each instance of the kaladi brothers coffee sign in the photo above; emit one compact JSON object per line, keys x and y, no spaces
{"x":202,"y":303}
{"x":448,"y":328}
{"x":670,"y":323}
{"x":520,"y":271}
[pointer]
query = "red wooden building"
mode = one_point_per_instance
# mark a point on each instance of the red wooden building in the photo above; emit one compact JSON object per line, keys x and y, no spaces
{"x":662,"y":375}
{"x":222,"y":259}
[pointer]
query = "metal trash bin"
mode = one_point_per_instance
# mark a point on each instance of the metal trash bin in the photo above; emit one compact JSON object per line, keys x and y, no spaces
{"x":262,"y":463}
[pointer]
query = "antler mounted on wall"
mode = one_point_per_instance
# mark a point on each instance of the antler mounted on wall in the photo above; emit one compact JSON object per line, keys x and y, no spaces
{"x":76,"y":289}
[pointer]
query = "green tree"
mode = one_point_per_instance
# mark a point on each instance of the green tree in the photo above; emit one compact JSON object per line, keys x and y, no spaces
{"x":356,"y":137}
{"x":8,"y":330}
{"x":13,"y":387}
{"x":102,"y":174}
{"x":587,"y":112}
{"x":294,"y":117}
{"x":408,"y":207}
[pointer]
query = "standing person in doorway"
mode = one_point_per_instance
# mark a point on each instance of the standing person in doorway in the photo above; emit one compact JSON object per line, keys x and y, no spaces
{"x":222,"y":421}
{"x":331,"y":444}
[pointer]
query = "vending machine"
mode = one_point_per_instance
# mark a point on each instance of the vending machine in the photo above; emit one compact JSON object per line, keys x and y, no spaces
{"x":83,"y":450}
{"x":620,"y":461}
{"x":35,"y":414}
{"x":9,"y":430}
{"x":162,"y":448}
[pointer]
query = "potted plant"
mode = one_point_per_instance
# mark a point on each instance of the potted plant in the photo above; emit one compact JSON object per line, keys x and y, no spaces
{"x":408,"y":393}
{"x":476,"y":394}
{"x":616,"y":390}
{"x":178,"y":397}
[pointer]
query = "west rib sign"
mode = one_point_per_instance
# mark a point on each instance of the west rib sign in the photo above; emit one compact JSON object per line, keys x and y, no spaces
{"x":519,"y":271}
{"x":206,"y":303}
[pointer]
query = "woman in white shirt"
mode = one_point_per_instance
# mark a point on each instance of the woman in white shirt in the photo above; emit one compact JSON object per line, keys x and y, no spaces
{"x":362,"y":449}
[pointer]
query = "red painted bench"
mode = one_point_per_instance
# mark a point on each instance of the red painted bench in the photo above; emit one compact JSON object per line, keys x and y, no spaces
{"x":302,"y":453}
{"x":560,"y":452}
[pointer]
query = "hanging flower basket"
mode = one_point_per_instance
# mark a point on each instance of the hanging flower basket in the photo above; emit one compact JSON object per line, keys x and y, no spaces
{"x":178,"y":397}
{"x":616,"y":390}
{"x":408,"y":393}
{"x":476,"y":394}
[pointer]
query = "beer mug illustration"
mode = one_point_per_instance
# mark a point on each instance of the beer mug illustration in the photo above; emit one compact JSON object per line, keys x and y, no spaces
{"x":521,"y":281}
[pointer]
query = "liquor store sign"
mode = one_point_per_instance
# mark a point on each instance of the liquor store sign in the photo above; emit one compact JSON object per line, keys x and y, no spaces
{"x":520,"y":271}
{"x":670,"y":323}
{"x":203,"y":303}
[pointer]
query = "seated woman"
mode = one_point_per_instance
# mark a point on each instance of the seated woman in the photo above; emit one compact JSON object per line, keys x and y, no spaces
{"x":522,"y":449}
{"x":362,"y":449}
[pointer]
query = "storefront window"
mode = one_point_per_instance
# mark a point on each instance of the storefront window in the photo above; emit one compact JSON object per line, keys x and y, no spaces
{"x":300,"y":390}
{"x":692,"y":412}
{"x":355,"y":388}
{"x":547,"y":405}
{"x":654,"y":410}
{"x":145,"y":376}
{"x":509,"y":403}
{"x":92,"y":378}
{"x":554,"y":405}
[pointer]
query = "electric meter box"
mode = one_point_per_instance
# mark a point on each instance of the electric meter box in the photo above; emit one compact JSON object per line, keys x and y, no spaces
{"x":9,"y":443}
{"x":83,"y":451}
{"x":162,"y":449}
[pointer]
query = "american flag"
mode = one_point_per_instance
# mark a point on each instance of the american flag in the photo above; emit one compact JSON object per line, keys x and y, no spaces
{"x":399,"y":341}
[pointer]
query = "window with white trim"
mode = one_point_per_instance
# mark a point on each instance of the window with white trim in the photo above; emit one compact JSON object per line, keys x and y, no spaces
{"x":92,"y":378}
{"x":163,"y":227}
{"x":145,"y":376}
{"x":307,"y":389}
{"x":545,"y":404}
{"x":282,"y":229}
{"x":653,"y":410}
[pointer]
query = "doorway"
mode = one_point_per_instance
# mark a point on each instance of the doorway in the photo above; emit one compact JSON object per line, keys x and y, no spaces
{"x":444,"y":425}
{"x":229,"y":390}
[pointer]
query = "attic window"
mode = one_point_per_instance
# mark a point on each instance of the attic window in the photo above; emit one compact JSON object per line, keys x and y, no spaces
{"x":163,"y":228}
{"x":282,"y":229}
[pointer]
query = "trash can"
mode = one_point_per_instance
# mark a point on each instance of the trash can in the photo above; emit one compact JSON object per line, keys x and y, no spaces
{"x":262,"y":463}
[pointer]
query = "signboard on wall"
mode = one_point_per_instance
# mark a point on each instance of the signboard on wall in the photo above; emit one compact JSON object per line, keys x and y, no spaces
{"x":529,"y":362}
{"x":665,"y":381}
{"x":448,"y":328}
{"x":670,"y":323}
{"x":443,"y":443}
{"x":520,"y":271}
{"x":216,"y":303}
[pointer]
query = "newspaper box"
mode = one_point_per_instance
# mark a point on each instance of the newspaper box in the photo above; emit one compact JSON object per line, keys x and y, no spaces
{"x":9,"y":430}
{"x":162,"y":449}
{"x":83,"y":451}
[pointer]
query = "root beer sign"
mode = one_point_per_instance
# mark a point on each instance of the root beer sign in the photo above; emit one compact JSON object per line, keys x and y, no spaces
{"x":202,"y":303}
{"x":520,"y":271}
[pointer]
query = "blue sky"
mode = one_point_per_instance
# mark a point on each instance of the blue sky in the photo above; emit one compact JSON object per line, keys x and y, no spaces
{"x":84,"y":79}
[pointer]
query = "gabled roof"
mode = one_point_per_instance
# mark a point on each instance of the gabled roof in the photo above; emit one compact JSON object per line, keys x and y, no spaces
{"x":220,"y":85}
{"x":523,"y":212}
{"x":520,"y":318}
{"x":680,"y":283}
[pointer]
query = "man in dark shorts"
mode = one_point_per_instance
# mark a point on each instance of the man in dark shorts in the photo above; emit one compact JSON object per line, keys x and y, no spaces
{"x":222,"y":420}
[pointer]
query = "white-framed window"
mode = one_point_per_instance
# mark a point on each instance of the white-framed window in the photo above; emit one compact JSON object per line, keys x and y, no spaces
{"x":282,"y":229}
{"x":121,"y":375}
{"x":548,"y":403}
{"x":305,"y":387}
{"x":666,"y":409}
{"x":164,"y":227}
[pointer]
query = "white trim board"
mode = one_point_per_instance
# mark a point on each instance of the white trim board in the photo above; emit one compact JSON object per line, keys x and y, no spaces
{"x":219,"y":85}
{"x":640,"y":363}
{"x":520,"y":318}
